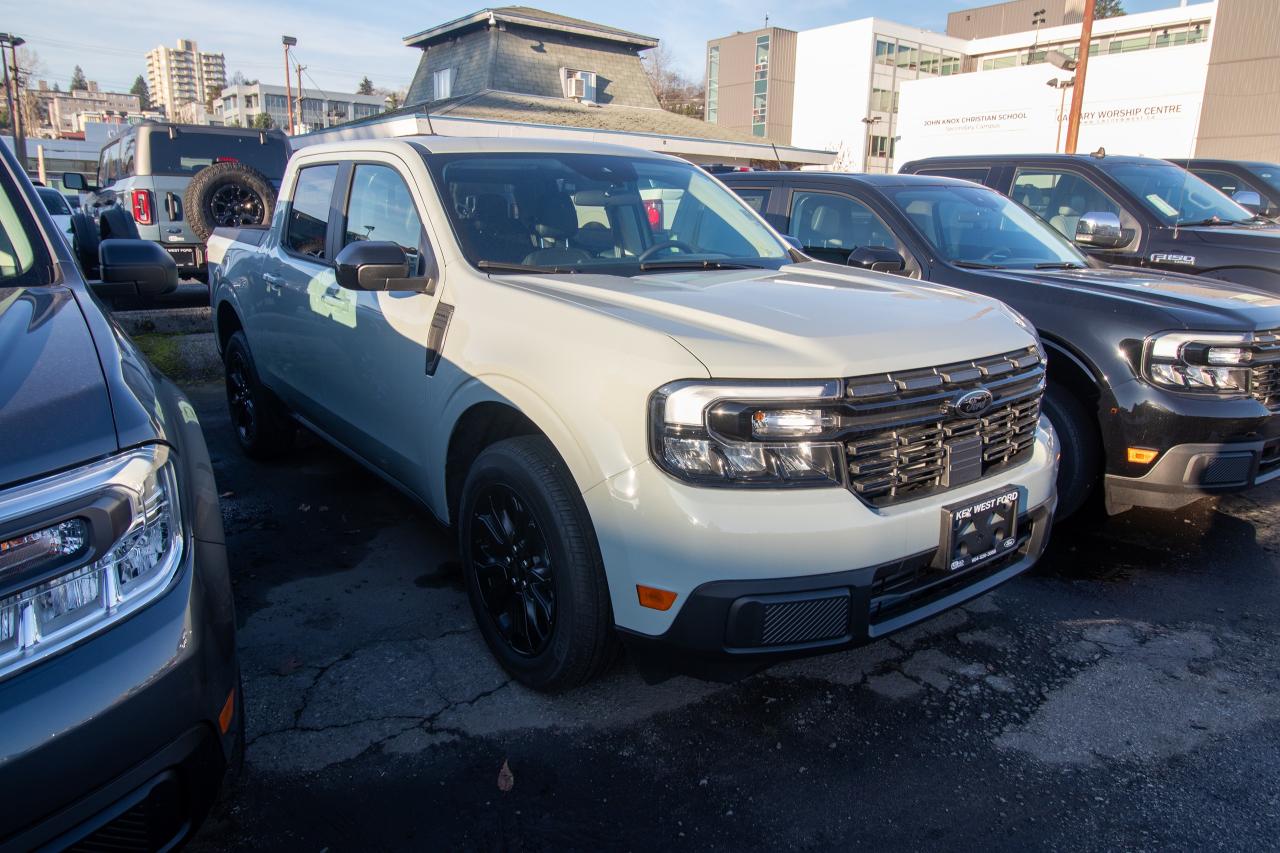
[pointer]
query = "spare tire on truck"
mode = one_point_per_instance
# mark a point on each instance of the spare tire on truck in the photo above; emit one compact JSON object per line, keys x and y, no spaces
{"x":84,"y":242}
{"x":227,"y":195}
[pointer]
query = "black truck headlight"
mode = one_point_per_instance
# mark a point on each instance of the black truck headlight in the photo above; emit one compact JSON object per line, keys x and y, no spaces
{"x":110,"y":547}
{"x":749,"y":434}
{"x":1215,"y":362}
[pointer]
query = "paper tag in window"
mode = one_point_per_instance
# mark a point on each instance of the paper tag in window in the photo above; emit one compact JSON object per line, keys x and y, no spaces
{"x":1161,"y":205}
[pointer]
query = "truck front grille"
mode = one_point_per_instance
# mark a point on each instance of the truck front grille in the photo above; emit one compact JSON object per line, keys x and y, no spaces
{"x":1264,"y":378}
{"x":911,"y":440}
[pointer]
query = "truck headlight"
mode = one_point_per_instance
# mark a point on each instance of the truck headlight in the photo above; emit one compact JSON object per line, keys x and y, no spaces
{"x":748,"y":434}
{"x":1199,"y":361}
{"x":112,"y":547}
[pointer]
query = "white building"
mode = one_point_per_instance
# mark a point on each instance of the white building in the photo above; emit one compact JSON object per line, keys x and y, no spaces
{"x":177,"y":76}
{"x":241,"y":104}
{"x":1197,"y":79}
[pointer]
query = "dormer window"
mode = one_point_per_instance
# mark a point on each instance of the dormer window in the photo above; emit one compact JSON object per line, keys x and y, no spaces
{"x":579,"y":85}
{"x":442,"y":84}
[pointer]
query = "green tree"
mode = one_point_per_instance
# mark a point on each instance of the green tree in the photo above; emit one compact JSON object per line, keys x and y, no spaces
{"x":1108,"y":8}
{"x":365,"y":87}
{"x":77,"y":79}
{"x":144,"y":94}
{"x":263,"y":121}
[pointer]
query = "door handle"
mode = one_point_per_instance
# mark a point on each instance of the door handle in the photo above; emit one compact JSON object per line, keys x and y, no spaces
{"x":273,"y":282}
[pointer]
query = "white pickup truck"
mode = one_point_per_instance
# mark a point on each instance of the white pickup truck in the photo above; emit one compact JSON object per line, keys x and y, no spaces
{"x":678,"y":430}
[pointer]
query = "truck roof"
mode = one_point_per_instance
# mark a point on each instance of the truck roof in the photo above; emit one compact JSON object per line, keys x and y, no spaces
{"x":483,"y":144}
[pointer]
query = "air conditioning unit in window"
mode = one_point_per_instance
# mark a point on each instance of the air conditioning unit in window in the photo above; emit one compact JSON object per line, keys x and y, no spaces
{"x":575,"y":87}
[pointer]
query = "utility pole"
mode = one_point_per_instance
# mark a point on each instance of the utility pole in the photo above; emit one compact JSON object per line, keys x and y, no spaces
{"x":301,"y":68}
{"x":14,"y":96}
{"x":288,"y":42}
{"x":1077,"y":91}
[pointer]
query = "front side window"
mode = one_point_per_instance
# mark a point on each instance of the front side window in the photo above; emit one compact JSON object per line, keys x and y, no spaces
{"x":1174,"y":195}
{"x":830,"y":226}
{"x":597,"y":213}
{"x":1223,"y":182}
{"x":1061,"y":198}
{"x":382,"y":208}
{"x":309,"y":211}
{"x":22,"y":254}
{"x":978,"y":227}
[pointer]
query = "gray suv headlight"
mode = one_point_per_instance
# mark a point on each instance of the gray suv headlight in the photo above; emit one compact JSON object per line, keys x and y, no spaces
{"x":81,"y":550}
{"x":749,"y":434}
{"x":1214,"y":362}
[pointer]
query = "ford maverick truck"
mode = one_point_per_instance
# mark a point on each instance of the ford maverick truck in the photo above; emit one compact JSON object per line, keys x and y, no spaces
{"x":675,"y":430}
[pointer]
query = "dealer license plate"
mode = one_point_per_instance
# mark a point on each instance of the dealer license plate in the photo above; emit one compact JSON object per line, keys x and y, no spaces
{"x":183,"y":257}
{"x":981,"y":529}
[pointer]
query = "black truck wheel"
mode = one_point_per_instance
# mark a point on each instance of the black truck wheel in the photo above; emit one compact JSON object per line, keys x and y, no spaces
{"x":533,"y":568}
{"x":227,"y":195}
{"x":1080,"y":470}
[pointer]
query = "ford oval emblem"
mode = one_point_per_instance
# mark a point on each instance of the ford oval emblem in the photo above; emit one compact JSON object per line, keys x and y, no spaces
{"x":973,"y":403}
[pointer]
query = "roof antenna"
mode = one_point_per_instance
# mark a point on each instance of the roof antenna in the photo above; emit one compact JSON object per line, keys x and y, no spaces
{"x":766,"y":20}
{"x":774,"y":145}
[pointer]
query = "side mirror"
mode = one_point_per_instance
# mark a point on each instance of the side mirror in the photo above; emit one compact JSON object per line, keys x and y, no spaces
{"x":877,"y":259}
{"x":135,"y":268}
{"x":75,"y":181}
{"x":793,"y":242}
{"x":377,"y":265}
{"x":1100,"y":230}
{"x":1250,"y":200}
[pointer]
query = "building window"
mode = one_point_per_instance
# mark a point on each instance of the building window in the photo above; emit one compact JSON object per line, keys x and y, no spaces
{"x":713,"y":83}
{"x":884,"y":52}
{"x":579,"y":84}
{"x":884,"y":100}
{"x":442,"y":84}
{"x":880,"y":146}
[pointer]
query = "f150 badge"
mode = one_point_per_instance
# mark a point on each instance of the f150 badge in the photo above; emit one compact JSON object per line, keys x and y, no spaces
{"x":1180,"y":260}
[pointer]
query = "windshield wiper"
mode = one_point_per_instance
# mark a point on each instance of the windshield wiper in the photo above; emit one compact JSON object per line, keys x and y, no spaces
{"x":697,"y":265}
{"x":502,"y":266}
{"x":977,"y":265}
{"x":1213,"y":220}
{"x":1060,"y":265}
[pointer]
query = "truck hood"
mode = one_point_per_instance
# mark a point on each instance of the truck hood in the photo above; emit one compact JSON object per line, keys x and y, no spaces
{"x":54,"y":408}
{"x":1191,"y":300}
{"x":1260,"y":238}
{"x":811,"y":320}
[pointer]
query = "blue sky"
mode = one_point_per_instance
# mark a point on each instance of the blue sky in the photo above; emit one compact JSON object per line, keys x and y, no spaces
{"x":340,"y":45}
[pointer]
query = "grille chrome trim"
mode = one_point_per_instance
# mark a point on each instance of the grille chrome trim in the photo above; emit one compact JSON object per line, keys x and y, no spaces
{"x":900,"y":425}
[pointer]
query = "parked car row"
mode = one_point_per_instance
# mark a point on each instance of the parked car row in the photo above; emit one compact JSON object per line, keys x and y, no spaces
{"x":720,"y":421}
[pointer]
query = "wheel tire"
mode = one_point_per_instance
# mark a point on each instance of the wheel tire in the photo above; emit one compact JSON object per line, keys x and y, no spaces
{"x":216,"y":186}
{"x":561,"y":556}
{"x":263,"y":428}
{"x":116,"y":223}
{"x":1081,"y":467}
{"x":84,"y":242}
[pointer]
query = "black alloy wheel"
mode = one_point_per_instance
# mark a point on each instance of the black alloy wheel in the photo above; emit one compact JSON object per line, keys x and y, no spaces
{"x":244,"y":415}
{"x":263,"y":427}
{"x":514,"y":571}
{"x":233,"y":205}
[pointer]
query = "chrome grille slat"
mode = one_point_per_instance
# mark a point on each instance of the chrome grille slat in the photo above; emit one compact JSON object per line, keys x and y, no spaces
{"x":899,"y":425}
{"x":1264,"y":376}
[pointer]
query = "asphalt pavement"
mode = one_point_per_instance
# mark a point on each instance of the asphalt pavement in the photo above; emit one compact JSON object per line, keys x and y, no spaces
{"x":1124,"y":695}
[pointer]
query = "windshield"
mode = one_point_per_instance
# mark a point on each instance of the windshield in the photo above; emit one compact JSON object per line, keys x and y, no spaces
{"x":190,"y":151}
{"x":597,"y":213}
{"x":972,"y":226}
{"x":54,"y":201}
{"x":1174,"y":195}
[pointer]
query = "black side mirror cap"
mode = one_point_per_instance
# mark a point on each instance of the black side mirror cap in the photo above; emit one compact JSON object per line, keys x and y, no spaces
{"x":75,"y":181}
{"x":135,"y":268}
{"x":877,"y":259}
{"x":379,"y":265}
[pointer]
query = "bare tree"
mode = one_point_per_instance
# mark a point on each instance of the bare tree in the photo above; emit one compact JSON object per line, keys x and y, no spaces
{"x":676,"y":92}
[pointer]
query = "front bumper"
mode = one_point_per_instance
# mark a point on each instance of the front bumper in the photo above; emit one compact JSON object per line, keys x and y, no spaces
{"x":1205,"y":446}
{"x":713,"y":547}
{"x":122,"y":731}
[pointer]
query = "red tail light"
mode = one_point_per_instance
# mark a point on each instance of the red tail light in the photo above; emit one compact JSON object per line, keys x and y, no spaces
{"x":653,"y":210}
{"x":225,"y":160}
{"x":143,"y":212}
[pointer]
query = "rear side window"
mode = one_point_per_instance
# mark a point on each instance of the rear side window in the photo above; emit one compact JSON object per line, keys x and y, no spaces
{"x":1223,"y":182}
{"x":976,"y":174}
{"x":309,"y":211}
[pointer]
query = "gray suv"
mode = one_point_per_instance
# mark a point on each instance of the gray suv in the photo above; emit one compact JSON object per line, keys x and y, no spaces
{"x":180,"y":182}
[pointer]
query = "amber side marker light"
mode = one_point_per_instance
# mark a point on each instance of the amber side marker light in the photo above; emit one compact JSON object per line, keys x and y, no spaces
{"x":1142,"y":456}
{"x":228,"y":712}
{"x":655,"y":599}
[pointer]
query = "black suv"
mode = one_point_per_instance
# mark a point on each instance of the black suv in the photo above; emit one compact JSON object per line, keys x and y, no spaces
{"x":1239,"y":179}
{"x":119,"y":701}
{"x":1134,"y":211}
{"x":1162,"y":386}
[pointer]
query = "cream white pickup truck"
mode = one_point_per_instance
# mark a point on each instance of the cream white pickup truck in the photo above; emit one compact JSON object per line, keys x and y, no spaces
{"x":676,"y":431}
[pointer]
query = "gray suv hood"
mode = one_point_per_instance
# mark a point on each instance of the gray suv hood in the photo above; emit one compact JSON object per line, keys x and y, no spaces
{"x":54,"y":408}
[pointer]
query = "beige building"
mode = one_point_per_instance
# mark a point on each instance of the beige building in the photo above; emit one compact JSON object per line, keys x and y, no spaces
{"x":1016,"y":16}
{"x":1241,"y":114}
{"x":181,"y":75}
{"x":751,"y":82}
{"x":69,"y":112}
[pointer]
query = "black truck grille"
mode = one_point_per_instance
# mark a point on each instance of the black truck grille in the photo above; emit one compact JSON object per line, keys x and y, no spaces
{"x":1264,"y":378}
{"x":911,"y":440}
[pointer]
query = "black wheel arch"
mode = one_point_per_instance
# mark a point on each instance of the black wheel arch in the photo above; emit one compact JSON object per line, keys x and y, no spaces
{"x":479,"y":426}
